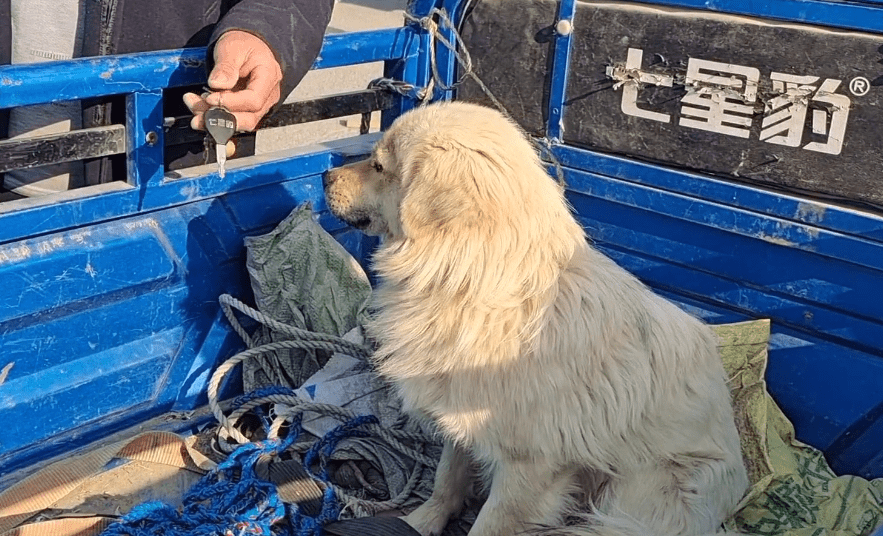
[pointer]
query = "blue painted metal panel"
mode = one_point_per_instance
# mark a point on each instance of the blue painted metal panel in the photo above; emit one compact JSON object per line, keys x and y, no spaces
{"x":132,"y":298}
{"x":79,"y":270}
{"x":789,"y":207}
{"x":747,"y":260}
{"x":36,"y":83}
{"x":145,"y":138}
{"x":184,"y":187}
{"x":67,"y":395}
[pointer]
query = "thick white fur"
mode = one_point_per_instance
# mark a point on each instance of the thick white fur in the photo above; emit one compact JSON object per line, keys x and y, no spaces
{"x":571,"y":385}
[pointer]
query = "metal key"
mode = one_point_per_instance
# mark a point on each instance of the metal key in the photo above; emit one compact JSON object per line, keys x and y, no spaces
{"x":221,"y":125}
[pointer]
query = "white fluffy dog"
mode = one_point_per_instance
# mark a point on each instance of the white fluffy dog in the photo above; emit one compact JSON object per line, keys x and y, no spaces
{"x":569,"y":384}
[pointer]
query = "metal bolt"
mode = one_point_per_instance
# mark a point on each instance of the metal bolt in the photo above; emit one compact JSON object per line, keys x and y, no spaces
{"x":564,"y":27}
{"x":152,"y":137}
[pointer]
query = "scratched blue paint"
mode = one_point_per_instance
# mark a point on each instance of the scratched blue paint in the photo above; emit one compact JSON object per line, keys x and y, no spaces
{"x":156,"y":274}
{"x":72,"y":394}
{"x":747,"y":273}
{"x":70,"y":274}
{"x":24,"y":84}
{"x":365,"y":47}
{"x":813,"y":238}
{"x":141,"y":337}
{"x":47,"y":341}
{"x":200,"y":183}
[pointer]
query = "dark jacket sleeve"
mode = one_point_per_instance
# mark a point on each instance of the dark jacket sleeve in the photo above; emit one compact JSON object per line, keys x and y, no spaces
{"x":294,"y":29}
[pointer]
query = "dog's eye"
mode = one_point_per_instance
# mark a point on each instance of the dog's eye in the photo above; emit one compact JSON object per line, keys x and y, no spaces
{"x":378,"y":167}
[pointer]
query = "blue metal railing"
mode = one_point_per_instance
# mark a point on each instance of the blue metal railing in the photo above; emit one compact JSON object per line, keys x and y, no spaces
{"x":141,"y":77}
{"x":560,"y":68}
{"x":146,"y":72}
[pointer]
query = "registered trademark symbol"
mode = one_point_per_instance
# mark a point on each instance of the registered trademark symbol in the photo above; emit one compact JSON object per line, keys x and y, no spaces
{"x":859,"y":86}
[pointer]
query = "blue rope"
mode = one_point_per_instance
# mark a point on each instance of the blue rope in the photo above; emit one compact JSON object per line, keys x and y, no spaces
{"x":306,"y":525}
{"x":232,"y":501}
{"x":325,"y":446}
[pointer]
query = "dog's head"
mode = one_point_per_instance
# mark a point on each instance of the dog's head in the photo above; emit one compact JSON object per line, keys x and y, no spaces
{"x":439,"y":166}
{"x":366,"y":194}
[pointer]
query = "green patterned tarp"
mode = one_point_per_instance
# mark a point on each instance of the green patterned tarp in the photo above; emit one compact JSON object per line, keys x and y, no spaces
{"x":793,"y":491}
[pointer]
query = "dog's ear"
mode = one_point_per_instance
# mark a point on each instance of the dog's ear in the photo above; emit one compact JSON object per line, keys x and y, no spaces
{"x":440,"y":189}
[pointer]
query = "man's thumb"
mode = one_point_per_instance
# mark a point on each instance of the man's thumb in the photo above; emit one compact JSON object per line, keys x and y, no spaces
{"x":229,"y":57}
{"x":223,"y":76}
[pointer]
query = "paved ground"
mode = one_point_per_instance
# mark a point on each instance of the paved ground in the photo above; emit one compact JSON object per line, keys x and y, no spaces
{"x":349,"y":16}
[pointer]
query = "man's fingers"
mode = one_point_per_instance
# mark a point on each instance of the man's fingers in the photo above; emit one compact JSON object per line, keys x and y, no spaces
{"x":198,"y":122}
{"x":229,"y":57}
{"x":224,"y":75}
{"x":245,"y":80}
{"x":197,"y":106}
{"x":261,"y":87}
{"x":246,"y":100}
{"x":247,"y":121}
{"x":195,"y":103}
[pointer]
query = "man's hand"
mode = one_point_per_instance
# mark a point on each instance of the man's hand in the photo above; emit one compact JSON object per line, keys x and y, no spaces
{"x":246,"y":80}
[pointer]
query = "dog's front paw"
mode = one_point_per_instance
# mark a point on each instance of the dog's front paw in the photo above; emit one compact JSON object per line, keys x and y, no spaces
{"x":428,"y":520}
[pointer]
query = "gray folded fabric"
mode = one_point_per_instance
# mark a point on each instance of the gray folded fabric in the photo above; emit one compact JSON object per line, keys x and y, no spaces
{"x":301,"y":276}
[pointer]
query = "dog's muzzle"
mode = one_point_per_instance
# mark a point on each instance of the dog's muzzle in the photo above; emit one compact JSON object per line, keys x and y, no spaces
{"x":329,"y":178}
{"x":356,"y":219}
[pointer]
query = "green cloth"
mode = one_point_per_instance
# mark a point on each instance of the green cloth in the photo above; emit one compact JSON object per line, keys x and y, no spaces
{"x":793,"y":491}
{"x":301,"y":276}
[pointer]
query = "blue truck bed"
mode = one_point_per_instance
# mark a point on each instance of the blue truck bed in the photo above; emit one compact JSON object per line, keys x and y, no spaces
{"x":108,"y":303}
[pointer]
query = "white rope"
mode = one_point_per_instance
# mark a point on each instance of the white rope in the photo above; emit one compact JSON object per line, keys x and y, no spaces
{"x":338,"y":344}
{"x":364,"y":508}
{"x":228,"y":365}
{"x":307,"y":340}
